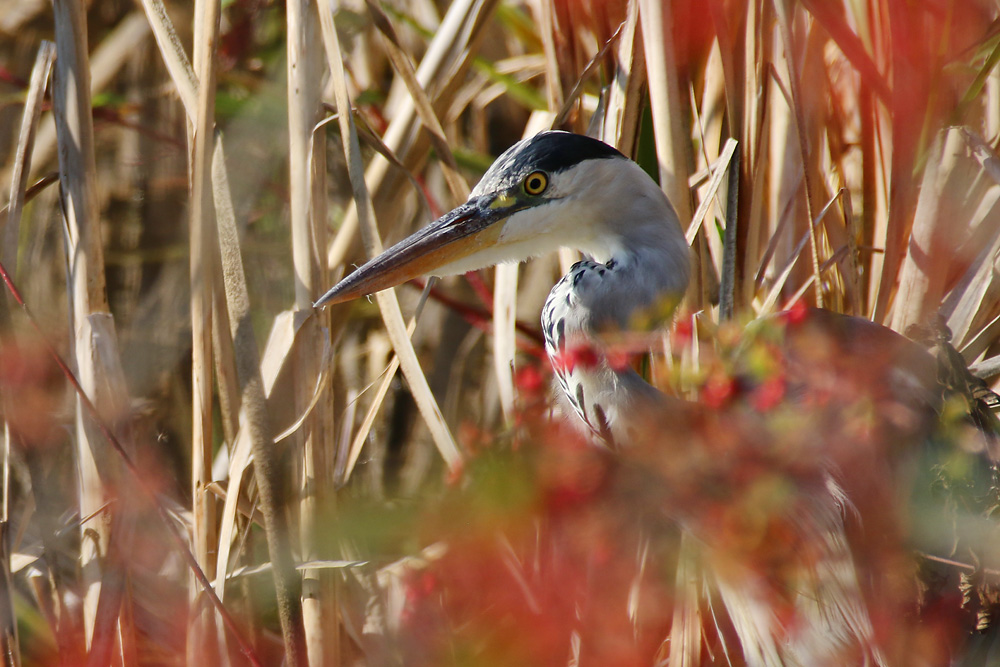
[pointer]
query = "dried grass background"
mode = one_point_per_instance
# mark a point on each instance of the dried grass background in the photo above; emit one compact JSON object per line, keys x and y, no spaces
{"x":169,"y":229}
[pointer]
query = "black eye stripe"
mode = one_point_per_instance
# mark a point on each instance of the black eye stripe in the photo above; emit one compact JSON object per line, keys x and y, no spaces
{"x":553,"y":152}
{"x":550,"y":153}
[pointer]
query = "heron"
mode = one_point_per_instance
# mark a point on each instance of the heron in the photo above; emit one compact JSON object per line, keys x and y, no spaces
{"x":559,"y":189}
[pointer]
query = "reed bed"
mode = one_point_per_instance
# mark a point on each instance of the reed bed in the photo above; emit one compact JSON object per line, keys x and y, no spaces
{"x":198,"y":468}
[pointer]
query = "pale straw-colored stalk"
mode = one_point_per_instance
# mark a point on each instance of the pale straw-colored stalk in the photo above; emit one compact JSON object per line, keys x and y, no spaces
{"x":668,"y":105}
{"x":202,"y":643}
{"x":447,"y":57}
{"x":106,"y":62}
{"x":306,"y":150}
{"x":922,"y":282}
{"x":10,"y":233}
{"x":386,"y":300}
{"x":95,"y":341}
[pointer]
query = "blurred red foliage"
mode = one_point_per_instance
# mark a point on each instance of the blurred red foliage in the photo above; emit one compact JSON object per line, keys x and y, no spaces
{"x":34,"y":394}
{"x":561,"y":548}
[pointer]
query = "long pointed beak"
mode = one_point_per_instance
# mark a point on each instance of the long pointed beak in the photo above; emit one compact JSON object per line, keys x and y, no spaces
{"x":452,"y":237}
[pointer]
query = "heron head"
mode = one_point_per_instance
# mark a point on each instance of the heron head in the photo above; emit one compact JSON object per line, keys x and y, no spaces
{"x":552,"y":190}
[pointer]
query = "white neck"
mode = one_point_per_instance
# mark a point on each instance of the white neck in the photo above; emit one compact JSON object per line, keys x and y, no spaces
{"x":639,"y":272}
{"x":650,"y":264}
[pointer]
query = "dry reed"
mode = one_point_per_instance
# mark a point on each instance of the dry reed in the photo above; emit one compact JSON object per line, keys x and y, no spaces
{"x":839,"y":154}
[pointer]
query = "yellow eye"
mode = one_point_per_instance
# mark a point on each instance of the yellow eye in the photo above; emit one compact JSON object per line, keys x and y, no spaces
{"x":536,"y":182}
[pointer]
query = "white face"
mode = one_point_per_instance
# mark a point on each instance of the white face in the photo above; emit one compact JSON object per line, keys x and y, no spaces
{"x":600,"y":206}
{"x":591,"y":208}
{"x":566,"y":215}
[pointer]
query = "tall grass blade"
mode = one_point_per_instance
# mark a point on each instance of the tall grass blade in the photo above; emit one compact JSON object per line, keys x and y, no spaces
{"x":386,"y":300}
{"x":22,"y":156}
{"x":202,"y":241}
{"x":95,"y":344}
{"x":306,"y":150}
{"x":922,"y":283}
{"x":10,"y":227}
{"x":667,"y":104}
{"x":270,"y":469}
